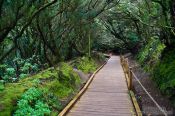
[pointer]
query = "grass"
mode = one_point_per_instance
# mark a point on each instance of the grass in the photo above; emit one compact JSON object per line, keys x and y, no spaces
{"x":86,"y":65}
{"x":61,"y":82}
{"x":47,"y":80}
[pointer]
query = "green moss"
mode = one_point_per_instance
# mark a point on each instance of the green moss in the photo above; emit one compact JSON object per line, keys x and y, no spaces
{"x":54,"y":113}
{"x":9,"y":98}
{"x":59,"y":83}
{"x":1,"y":86}
{"x":58,"y":89}
{"x":46,"y":80}
{"x":86,"y":65}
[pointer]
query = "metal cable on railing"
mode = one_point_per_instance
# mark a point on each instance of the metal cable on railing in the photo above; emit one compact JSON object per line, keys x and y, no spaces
{"x":130,"y":74}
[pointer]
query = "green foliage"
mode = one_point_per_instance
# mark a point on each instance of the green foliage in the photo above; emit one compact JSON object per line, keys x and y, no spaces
{"x":107,"y":43}
{"x":61,"y":31}
{"x":53,"y":101}
{"x":23,"y":76}
{"x":86,"y":64}
{"x":13,"y":91}
{"x":51,"y":91}
{"x":60,"y":89}
{"x":164,"y":75}
{"x":19,"y":68}
{"x":31,"y":104}
{"x":26,"y":67}
{"x":151,"y":53}
{"x":31,"y":94}
{"x":30,"y":65}
{"x":9,"y":75}
{"x":1,"y":85}
{"x":2,"y":69}
{"x":133,"y":39}
{"x":67,"y":76}
{"x":98,"y":57}
{"x":162,"y":70}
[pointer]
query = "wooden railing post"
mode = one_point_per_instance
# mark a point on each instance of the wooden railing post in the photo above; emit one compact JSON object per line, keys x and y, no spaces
{"x":124,"y":65}
{"x":127,"y":71}
{"x":130,"y":78}
{"x":120,"y":58}
{"x":127,"y":66}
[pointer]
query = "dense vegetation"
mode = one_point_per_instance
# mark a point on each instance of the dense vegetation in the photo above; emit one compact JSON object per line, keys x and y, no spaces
{"x":37,"y":37}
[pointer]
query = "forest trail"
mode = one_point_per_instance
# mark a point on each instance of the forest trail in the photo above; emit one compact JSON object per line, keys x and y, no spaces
{"x":107,"y":95}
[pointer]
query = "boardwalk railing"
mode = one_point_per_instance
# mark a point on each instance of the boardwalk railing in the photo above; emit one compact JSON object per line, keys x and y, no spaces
{"x":127,"y":71}
{"x":129,"y":78}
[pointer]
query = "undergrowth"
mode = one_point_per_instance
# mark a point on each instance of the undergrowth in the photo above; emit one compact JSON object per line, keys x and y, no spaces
{"x":43,"y":90}
{"x":86,"y":64}
{"x":20,"y":68}
{"x":44,"y":93}
{"x":161,"y":65}
{"x":67,"y":76}
{"x":164,"y":75}
{"x":32,"y":104}
{"x":150,"y":54}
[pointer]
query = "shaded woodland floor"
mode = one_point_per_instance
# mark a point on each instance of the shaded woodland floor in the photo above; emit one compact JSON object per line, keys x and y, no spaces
{"x":146,"y":104}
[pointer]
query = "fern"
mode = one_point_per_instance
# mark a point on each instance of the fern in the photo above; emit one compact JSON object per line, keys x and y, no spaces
{"x":67,"y":76}
{"x":86,"y":65}
{"x":31,"y":103}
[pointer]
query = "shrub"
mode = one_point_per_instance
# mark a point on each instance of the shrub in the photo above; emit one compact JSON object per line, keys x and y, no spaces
{"x":53,"y":101}
{"x":86,"y":65}
{"x":67,"y":76}
{"x":42,"y":81}
{"x":1,"y":85}
{"x":9,"y":75}
{"x":162,"y":70}
{"x":100,"y":57}
{"x":151,"y":53}
{"x":164,"y":74}
{"x":20,"y":68}
{"x":21,"y":76}
{"x":31,"y":103}
{"x":2,"y":69}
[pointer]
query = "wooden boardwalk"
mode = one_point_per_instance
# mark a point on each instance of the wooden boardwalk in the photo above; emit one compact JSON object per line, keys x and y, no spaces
{"x":107,"y":95}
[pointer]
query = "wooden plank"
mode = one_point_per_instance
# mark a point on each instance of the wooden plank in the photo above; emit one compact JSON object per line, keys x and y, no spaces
{"x":75,"y":99}
{"x":136,"y":105}
{"x":96,"y":114}
{"x":107,"y":95}
{"x":129,"y":75}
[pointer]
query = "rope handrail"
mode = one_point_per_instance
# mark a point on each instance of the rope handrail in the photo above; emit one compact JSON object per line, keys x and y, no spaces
{"x":130,"y":74}
{"x":159,"y":107}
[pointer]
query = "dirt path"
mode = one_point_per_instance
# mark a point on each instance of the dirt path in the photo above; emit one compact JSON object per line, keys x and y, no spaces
{"x":107,"y":95}
{"x":147,"y":106}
